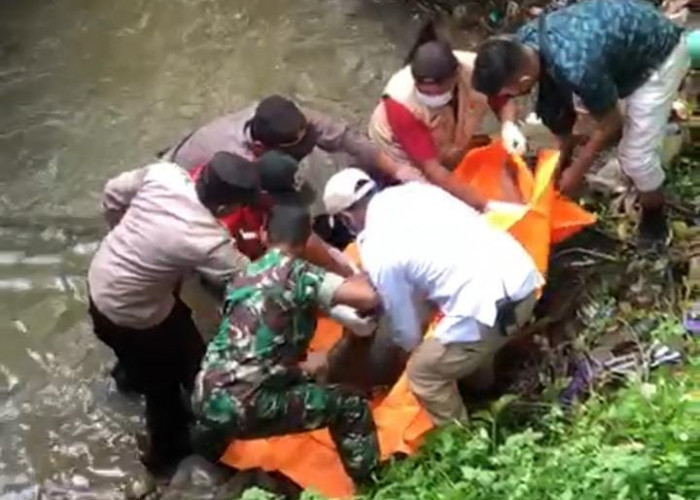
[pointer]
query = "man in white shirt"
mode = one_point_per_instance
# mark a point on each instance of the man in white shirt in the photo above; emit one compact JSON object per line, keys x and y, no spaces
{"x":163,"y":228}
{"x":419,"y":243}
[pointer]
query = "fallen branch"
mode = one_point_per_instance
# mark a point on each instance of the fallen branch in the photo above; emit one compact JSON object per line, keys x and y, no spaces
{"x":588,"y":252}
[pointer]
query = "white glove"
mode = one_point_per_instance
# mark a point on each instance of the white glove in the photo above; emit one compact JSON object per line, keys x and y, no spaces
{"x":505,"y":207}
{"x":513,"y":139}
{"x":348,"y":317}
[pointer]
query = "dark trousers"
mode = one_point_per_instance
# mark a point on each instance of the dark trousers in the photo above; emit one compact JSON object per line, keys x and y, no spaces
{"x":307,"y":406}
{"x":160,"y":362}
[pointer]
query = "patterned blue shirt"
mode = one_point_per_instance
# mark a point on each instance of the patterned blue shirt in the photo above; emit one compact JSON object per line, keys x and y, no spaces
{"x":603,"y":50}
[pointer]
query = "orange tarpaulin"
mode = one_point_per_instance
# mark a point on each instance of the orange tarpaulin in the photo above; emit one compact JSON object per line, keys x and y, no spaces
{"x":547,"y":218}
{"x":310,"y":459}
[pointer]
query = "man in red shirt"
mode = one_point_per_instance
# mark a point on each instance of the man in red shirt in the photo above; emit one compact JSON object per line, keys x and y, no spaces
{"x":430,"y":115}
{"x":280,"y":183}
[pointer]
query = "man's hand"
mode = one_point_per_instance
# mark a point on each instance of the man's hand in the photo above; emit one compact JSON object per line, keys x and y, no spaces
{"x":315,"y":364}
{"x":570,"y":180}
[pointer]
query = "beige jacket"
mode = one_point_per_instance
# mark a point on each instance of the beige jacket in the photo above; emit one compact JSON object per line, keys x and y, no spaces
{"x":448,"y":131}
{"x":160,"y":233}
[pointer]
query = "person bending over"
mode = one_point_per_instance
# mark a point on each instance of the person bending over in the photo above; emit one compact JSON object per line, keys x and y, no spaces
{"x":601,"y":51}
{"x":256,"y":379}
{"x":418,"y":243}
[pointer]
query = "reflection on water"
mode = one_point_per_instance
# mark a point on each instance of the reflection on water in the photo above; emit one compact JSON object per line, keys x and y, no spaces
{"x":88,"y":89}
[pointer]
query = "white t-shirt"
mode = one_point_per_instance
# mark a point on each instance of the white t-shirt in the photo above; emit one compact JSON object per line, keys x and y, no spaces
{"x":421,"y":243}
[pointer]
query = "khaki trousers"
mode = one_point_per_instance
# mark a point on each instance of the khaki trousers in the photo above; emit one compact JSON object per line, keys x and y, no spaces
{"x":434,"y":368}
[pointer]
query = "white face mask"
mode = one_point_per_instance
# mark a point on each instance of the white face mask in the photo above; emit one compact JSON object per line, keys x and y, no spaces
{"x":434,"y":101}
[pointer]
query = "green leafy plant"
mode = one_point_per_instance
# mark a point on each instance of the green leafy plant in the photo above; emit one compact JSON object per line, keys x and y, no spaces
{"x":642,"y":443}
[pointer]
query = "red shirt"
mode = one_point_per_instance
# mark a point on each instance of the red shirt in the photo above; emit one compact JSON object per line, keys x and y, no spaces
{"x":244,"y":224}
{"x":413,"y":135}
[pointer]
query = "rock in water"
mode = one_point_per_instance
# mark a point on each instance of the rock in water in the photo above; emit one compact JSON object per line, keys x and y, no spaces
{"x":8,"y":382}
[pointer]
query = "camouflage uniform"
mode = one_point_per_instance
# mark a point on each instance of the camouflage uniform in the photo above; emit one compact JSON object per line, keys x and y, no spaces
{"x":251,"y":386}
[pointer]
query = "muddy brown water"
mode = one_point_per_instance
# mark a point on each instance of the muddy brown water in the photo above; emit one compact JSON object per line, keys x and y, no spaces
{"x":90,"y":88}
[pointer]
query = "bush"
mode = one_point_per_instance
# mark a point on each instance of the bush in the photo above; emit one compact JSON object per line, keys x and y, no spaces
{"x":643,"y":443}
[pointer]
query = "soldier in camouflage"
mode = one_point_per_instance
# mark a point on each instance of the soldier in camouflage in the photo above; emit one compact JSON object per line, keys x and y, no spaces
{"x":256,"y":380}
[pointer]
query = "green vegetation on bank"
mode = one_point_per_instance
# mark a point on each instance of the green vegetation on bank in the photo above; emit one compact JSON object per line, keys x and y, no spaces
{"x":642,"y":443}
{"x":634,"y":441}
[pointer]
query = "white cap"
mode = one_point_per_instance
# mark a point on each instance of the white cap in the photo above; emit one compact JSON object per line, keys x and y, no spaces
{"x":345,"y":188}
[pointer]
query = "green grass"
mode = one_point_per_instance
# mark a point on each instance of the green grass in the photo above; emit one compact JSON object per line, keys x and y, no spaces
{"x":641,"y":443}
{"x":638,"y":442}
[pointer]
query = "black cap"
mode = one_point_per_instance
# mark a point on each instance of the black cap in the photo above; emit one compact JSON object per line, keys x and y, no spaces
{"x":434,"y":62}
{"x":280,"y":178}
{"x":229,"y":178}
{"x":278,"y":123}
{"x":234,"y":170}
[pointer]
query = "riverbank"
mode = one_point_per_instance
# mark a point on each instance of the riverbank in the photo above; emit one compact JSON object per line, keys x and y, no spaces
{"x":552,"y":434}
{"x":637,"y":439}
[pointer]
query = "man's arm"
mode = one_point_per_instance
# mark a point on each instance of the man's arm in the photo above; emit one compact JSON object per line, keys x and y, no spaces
{"x":441,"y":177}
{"x":322,"y":254}
{"x":599,"y":95}
{"x":415,"y":139}
{"x":335,"y":136}
{"x":506,"y":109}
{"x":607,"y":127}
{"x":222,"y":264}
{"x":357,"y":292}
{"x":118,"y":193}
{"x":565,"y":143}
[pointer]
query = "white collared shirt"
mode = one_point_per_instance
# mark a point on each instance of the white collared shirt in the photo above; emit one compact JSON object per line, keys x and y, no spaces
{"x":421,"y":243}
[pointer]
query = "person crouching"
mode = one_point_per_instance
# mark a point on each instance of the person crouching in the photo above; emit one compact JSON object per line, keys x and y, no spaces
{"x":256,"y":379}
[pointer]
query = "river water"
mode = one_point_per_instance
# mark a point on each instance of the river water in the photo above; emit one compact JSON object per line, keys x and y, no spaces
{"x":89,"y":88}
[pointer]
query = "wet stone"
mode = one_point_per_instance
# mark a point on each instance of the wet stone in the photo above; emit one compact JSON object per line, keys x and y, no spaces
{"x":140,"y":488}
{"x":9,"y":382}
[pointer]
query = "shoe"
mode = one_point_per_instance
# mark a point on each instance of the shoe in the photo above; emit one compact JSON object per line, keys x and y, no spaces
{"x":161,"y":463}
{"x":159,"y":466}
{"x":653,"y":229}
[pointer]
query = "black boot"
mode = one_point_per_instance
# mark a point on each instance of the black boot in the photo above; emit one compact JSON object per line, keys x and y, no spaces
{"x":160,"y":461}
